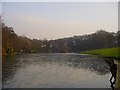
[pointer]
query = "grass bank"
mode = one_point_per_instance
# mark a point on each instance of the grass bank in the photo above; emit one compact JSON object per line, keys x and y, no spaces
{"x":109,"y":53}
{"x":105,"y":52}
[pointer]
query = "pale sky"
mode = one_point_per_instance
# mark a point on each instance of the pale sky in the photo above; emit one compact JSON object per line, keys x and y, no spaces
{"x":53,"y":20}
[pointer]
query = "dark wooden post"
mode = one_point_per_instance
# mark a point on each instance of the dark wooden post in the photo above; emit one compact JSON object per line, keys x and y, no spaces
{"x":117,"y":85}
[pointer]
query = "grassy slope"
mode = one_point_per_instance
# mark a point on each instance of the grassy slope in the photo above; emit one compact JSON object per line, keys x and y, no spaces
{"x":106,"y":52}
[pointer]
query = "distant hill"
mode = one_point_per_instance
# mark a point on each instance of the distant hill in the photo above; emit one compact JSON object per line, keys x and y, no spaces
{"x":19,"y":44}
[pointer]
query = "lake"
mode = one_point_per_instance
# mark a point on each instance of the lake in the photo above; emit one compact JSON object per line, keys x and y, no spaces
{"x":55,"y":70}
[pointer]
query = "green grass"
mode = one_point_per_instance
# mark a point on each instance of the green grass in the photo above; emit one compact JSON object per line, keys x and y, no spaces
{"x":106,"y":52}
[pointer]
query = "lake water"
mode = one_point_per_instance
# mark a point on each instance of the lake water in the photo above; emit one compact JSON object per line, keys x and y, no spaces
{"x":55,"y":70}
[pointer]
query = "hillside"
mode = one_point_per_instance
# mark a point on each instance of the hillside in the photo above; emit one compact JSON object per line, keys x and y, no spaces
{"x":11,"y":42}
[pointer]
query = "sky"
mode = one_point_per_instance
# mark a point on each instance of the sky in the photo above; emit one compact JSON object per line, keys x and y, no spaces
{"x":53,"y":20}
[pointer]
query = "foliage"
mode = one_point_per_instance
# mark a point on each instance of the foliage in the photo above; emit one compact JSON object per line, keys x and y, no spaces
{"x":97,"y":40}
{"x":9,"y":50}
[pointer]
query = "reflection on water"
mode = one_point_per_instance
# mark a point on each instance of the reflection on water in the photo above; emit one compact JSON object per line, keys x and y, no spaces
{"x":55,"y":71}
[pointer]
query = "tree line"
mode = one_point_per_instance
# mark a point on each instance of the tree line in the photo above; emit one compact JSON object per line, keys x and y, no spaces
{"x":11,"y":42}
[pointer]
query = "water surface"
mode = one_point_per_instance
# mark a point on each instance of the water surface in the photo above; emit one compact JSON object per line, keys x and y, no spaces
{"x":55,"y":70}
